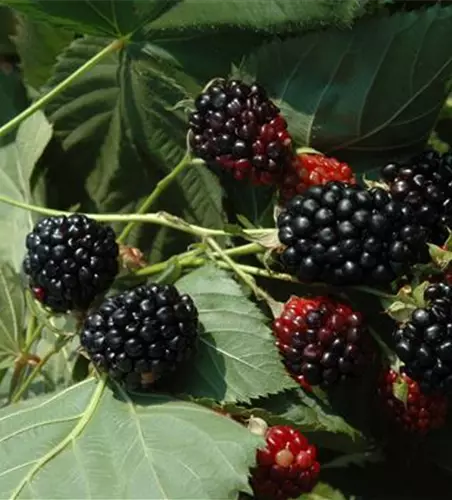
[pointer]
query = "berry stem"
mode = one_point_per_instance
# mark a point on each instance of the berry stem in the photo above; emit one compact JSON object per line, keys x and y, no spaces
{"x":161,"y":186}
{"x":245,"y":277}
{"x":59,"y":344}
{"x":45,"y":99}
{"x":383,"y":346}
{"x":373,"y":291}
{"x":192,"y":258}
{"x":158,"y":218}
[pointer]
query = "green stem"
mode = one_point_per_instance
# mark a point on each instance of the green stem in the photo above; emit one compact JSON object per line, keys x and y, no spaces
{"x":159,"y":218}
{"x":382,"y":344}
{"x":156,"y":193}
{"x":245,"y":277}
{"x":44,"y":100}
{"x":373,"y":291}
{"x":192,"y":259}
{"x":55,"y":349}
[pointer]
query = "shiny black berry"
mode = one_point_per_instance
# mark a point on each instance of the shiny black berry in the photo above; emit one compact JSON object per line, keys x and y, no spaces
{"x":69,"y":261}
{"x":141,"y":334}
{"x":238,"y":128}
{"x":424,"y":343}
{"x":345,"y":234}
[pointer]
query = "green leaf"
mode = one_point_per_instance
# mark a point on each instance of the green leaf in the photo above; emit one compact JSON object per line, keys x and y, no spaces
{"x":12,"y":313}
{"x":38,"y":45}
{"x":120,"y":134}
{"x":12,"y":94}
{"x":17,"y":160}
{"x":400,"y":390}
{"x":167,"y":17}
{"x":369,"y":94}
{"x":236,"y":358}
{"x":95,"y":444}
{"x":323,"y":492}
{"x":7,"y":30}
{"x":307,"y":413}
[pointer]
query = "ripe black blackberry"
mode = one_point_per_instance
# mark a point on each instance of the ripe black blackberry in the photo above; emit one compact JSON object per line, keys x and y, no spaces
{"x":140,"y":334}
{"x":424,"y":183}
{"x":321,"y":341}
{"x":69,"y":261}
{"x":424,"y":343}
{"x":237,"y":127}
{"x":345,"y":234}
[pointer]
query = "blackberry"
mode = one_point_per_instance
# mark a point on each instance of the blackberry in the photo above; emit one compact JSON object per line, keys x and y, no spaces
{"x":69,"y":261}
{"x":311,"y":170}
{"x":345,"y":234}
{"x":424,"y":343}
{"x":424,"y":184}
{"x":238,"y":128}
{"x":321,"y":341}
{"x":421,"y":413}
{"x":286,"y":467}
{"x":140,"y":334}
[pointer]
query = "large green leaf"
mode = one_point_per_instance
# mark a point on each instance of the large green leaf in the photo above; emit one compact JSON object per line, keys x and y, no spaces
{"x":165,"y":17}
{"x":12,"y":315}
{"x":12,"y":94}
{"x":85,"y":442}
{"x":374,"y":91}
{"x":38,"y":44}
{"x":236,"y":358}
{"x":7,"y":29}
{"x":120,"y":134}
{"x":17,"y":160}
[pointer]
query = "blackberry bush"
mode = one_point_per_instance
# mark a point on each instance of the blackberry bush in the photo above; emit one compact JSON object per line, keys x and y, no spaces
{"x":321,"y":341}
{"x":69,"y":261}
{"x":140,"y":334}
{"x":202,"y":131}
{"x":238,"y":128}
{"x":424,"y":343}
{"x":344,"y":234}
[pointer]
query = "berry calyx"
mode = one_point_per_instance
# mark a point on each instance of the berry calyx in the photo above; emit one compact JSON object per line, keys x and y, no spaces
{"x":238,"y":128}
{"x":139,"y":335}
{"x":424,"y":343}
{"x":320,"y":340}
{"x":286,"y":467}
{"x":70,"y":261}
{"x":421,"y":413}
{"x":308,"y":170}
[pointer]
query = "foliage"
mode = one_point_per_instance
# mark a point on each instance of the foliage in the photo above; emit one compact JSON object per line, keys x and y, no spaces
{"x":364,"y":80}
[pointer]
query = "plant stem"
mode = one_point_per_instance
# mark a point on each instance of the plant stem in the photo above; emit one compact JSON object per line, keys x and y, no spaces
{"x":55,"y":349}
{"x":45,"y":99}
{"x":158,"y":218}
{"x":373,"y":291}
{"x":246,"y":278}
{"x":383,"y":346}
{"x":156,"y":193}
{"x":192,"y":259}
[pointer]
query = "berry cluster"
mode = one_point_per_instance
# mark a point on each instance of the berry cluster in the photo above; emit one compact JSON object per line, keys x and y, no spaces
{"x":425,"y":185}
{"x":421,"y":413}
{"x":140,"y":334}
{"x":286,"y":467}
{"x":424,"y":343}
{"x":69,"y":261}
{"x":313,"y":170}
{"x":236,"y":127}
{"x":321,"y":341}
{"x":346,"y":234}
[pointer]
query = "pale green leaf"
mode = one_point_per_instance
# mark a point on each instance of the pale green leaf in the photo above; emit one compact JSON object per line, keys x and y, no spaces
{"x":323,"y":491}
{"x":17,"y":160}
{"x":86,"y":442}
{"x":236,"y":358}
{"x":12,"y":313}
